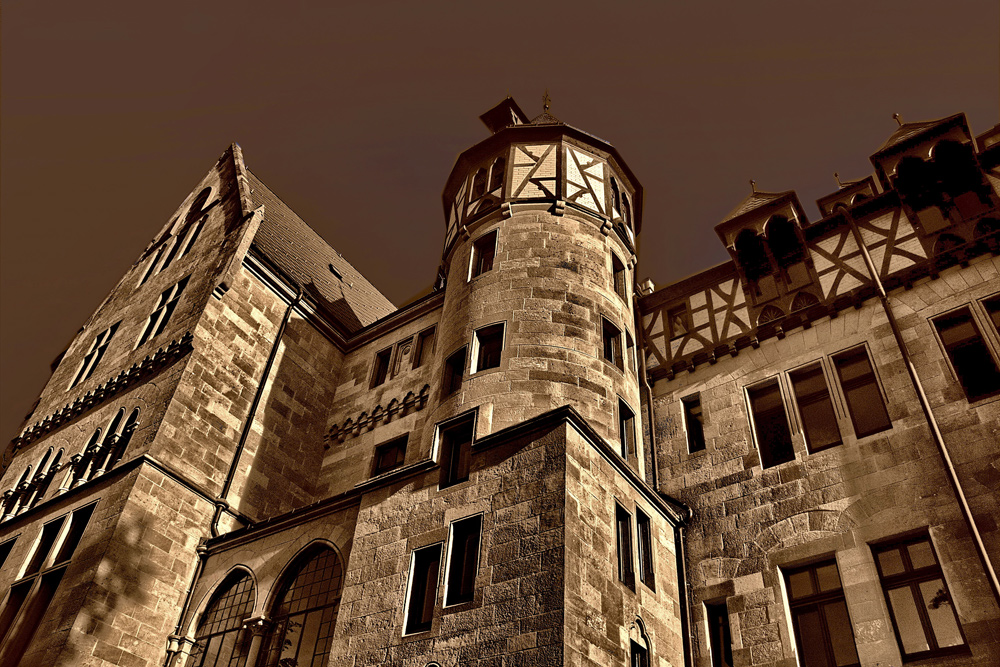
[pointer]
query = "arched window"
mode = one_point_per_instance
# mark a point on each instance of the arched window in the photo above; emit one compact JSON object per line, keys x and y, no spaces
{"x":626,"y":211}
{"x":305,"y":612}
{"x":152,"y":264}
{"x":616,"y":199}
{"x":479,"y":184}
{"x":118,"y":450}
{"x":43,"y":483}
{"x":955,"y":164}
{"x":751,"y":255}
{"x":784,"y":242}
{"x":915,"y":182}
{"x":219,"y":640}
{"x":86,"y":458}
{"x":101,"y":457}
{"x":496,"y":173}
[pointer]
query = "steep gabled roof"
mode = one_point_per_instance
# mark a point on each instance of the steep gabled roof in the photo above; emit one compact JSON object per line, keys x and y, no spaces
{"x":302,"y":254}
{"x":753,"y":201}
{"x":907,"y":131}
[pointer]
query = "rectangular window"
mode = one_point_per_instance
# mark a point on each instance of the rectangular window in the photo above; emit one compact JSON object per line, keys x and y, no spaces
{"x":864,"y":400}
{"x":920,"y":606}
{"x":618,"y":269}
{"x":630,"y":347}
{"x":454,"y":368}
{"x":463,"y":560}
{"x":992,"y":306}
{"x":165,"y":306}
{"x":612,"y":339}
{"x":484,"y":251}
{"x":694,"y":423}
{"x":93,"y":356}
{"x":819,"y":422}
{"x":389,"y":455}
{"x":677,"y":319}
{"x":623,"y":538}
{"x":644,"y":530}
{"x":770,"y":422}
{"x":626,"y":430}
{"x":720,"y":641}
{"x":425,"y":347}
{"x":823,"y":630}
{"x":455,"y":443}
{"x":422,"y":594}
{"x":380,"y":369}
{"x":488,"y":346}
{"x":970,"y":356}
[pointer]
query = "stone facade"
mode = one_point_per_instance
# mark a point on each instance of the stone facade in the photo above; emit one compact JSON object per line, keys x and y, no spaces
{"x":248,"y":456}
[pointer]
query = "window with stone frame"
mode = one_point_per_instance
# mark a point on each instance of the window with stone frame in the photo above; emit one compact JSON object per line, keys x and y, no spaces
{"x":5,"y":549}
{"x":969,"y":354}
{"x":305,"y":611}
{"x":455,"y":446}
{"x":644,"y":544}
{"x":463,"y":560}
{"x":164,"y":308}
{"x":678,"y":321}
{"x":770,"y":424}
{"x":380,"y":367}
{"x":720,"y":640}
{"x":861,"y":392}
{"x":623,"y":542}
{"x":638,"y":655}
{"x":823,"y":630}
{"x":626,"y":431}
{"x":921,"y":608}
{"x":425,"y":347}
{"x":421,"y":594}
{"x":484,"y":252}
{"x":620,"y":277}
{"x":812,"y":396}
{"x":632,"y":359}
{"x":454,"y":369}
{"x":390,"y":455}
{"x":694,"y":423}
{"x":487,"y":347}
{"x":32,"y":592}
{"x":992,"y":306}
{"x":611,"y":338}
{"x":220,"y":638}
{"x":94,"y":354}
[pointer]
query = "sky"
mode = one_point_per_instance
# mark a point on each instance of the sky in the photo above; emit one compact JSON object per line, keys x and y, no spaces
{"x":110,"y":114}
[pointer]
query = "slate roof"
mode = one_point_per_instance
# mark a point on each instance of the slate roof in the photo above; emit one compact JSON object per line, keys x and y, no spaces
{"x":545,"y":119}
{"x":907,"y":130}
{"x":302,"y":254}
{"x":755,"y":200}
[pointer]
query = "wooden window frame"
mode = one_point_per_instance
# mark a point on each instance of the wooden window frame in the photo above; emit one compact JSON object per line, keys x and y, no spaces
{"x":868,"y":379}
{"x":803,"y":401}
{"x":644,"y":548}
{"x":624,"y":552}
{"x":818,"y":601}
{"x":398,"y":445}
{"x":464,"y":550}
{"x":483,"y":255}
{"x":485,"y":342}
{"x":421,"y":596}
{"x":960,"y":372}
{"x":771,"y":460}
{"x":695,"y":435}
{"x":454,"y":445}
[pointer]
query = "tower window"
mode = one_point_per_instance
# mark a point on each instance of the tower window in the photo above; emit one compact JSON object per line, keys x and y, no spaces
{"x":819,"y":422}
{"x":823,"y":630}
{"x":633,"y":363}
{"x":424,"y":566}
{"x":94,"y":355}
{"x":380,"y":370}
{"x":644,"y":530}
{"x":454,"y":368}
{"x":488,"y":346}
{"x":612,"y":343}
{"x":165,"y":306}
{"x":484,"y":251}
{"x":425,"y":347}
{"x":390,"y":455}
{"x":720,"y":640}
{"x":623,"y":539}
{"x":919,"y":602}
{"x":694,"y":423}
{"x":970,"y":357}
{"x":626,"y":431}
{"x":455,"y":443}
{"x":618,"y":271}
{"x":864,"y":400}
{"x":463,"y":560}
{"x":770,"y":422}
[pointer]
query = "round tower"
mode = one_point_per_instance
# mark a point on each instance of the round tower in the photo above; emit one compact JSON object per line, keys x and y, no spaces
{"x":538,"y":261}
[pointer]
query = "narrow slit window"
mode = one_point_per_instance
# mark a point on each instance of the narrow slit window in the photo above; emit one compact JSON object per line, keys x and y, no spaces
{"x":424,"y":569}
{"x":165,"y":306}
{"x":630,"y":348}
{"x":380,"y":369}
{"x":484,"y":252}
{"x":147,"y":274}
{"x":94,"y":355}
{"x":823,"y":630}
{"x":626,"y":431}
{"x":774,"y":440}
{"x":455,"y":442}
{"x":489,"y":346}
{"x":192,"y":235}
{"x":720,"y":640}
{"x":463,"y":560}
{"x":694,"y":423}
{"x":969,"y":354}
{"x":390,"y":455}
{"x":644,"y":531}
{"x":623,"y":539}
{"x":454,"y":369}
{"x":425,"y":347}
{"x":819,"y":422}
{"x":861,"y":391}
{"x":612,"y":343}
{"x":618,"y":271}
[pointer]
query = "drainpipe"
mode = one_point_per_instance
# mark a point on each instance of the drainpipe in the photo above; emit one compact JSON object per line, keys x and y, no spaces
{"x":925,"y":406}
{"x":221,"y":504}
{"x":176,"y":640}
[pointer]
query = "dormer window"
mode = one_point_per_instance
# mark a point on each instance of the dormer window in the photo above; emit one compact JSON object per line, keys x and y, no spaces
{"x":752,"y":256}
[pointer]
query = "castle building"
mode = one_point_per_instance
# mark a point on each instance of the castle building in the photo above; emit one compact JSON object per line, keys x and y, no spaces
{"x":248,"y":457}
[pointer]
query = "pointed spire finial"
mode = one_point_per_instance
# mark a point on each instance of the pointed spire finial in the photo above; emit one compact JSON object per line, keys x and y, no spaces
{"x":837,"y":176}
{"x":753,"y":187}
{"x":898,"y":118}
{"x":546,"y":101}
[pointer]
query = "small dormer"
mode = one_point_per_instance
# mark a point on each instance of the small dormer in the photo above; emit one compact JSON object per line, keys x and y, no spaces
{"x":764,"y":237}
{"x":505,"y":114}
{"x":851,"y":193}
{"x":933,"y":167}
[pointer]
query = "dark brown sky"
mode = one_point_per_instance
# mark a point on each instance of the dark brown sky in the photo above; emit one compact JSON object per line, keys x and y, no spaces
{"x":354,"y":114}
